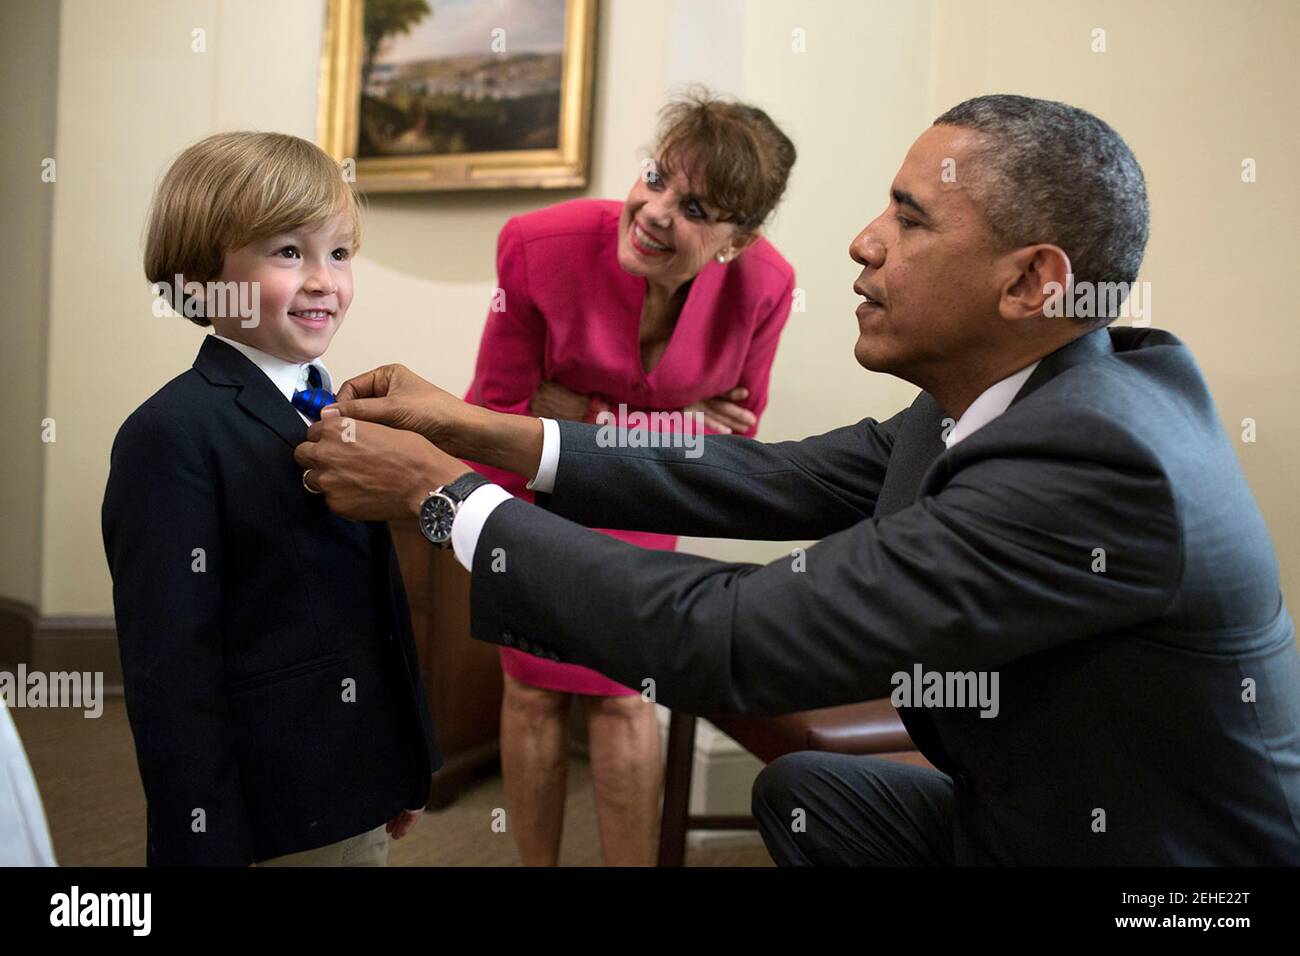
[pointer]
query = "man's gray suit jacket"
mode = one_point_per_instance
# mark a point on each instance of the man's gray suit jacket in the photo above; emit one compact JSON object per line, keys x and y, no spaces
{"x":1096,"y":546}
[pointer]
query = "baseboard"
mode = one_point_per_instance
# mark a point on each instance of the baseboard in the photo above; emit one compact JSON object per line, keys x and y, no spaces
{"x":721,"y":784}
{"x":722,"y":778}
{"x":59,"y":643}
{"x":17,"y":621}
{"x":78,"y":644}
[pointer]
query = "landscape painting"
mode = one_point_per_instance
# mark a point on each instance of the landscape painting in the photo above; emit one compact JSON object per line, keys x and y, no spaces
{"x":446,"y":94}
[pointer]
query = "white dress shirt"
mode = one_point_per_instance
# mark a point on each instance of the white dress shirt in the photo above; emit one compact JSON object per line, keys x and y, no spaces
{"x":288,"y":377}
{"x":993,"y":401}
{"x":473,"y":513}
{"x":482,"y":501}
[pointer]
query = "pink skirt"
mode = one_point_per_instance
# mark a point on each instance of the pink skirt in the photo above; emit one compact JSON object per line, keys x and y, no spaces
{"x":553,"y":675}
{"x":574,"y":678}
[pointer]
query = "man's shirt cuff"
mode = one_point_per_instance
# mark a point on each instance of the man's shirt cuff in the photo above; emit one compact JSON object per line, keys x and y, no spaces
{"x":545,"y":479}
{"x":470,"y":518}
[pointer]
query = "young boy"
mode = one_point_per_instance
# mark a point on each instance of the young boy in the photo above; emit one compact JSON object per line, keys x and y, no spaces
{"x":271,"y":677}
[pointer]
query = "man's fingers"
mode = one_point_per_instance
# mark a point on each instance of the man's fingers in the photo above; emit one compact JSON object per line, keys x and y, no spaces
{"x":372,"y":384}
{"x":359,"y":386}
{"x":308,"y":454}
{"x":304,"y":455}
{"x":379,"y":410}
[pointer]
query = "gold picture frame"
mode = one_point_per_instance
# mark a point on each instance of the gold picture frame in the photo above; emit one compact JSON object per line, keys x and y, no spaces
{"x":339,"y":121}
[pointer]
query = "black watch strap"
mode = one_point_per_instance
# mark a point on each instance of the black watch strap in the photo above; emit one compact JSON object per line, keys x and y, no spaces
{"x":460,"y":489}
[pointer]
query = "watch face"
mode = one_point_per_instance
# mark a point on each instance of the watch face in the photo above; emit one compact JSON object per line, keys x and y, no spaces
{"x":436,"y":515}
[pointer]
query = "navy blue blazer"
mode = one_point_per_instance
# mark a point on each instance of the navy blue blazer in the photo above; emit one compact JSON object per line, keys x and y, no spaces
{"x":271,"y":677}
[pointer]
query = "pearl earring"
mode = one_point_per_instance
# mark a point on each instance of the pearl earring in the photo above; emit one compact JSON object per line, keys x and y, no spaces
{"x":722,"y":257}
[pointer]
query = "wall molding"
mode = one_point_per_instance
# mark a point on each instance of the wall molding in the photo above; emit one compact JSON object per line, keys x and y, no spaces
{"x":722,"y":778}
{"x":59,"y":642}
{"x":17,"y":621}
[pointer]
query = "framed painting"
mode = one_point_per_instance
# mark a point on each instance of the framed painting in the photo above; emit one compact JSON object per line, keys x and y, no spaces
{"x":459,"y":94}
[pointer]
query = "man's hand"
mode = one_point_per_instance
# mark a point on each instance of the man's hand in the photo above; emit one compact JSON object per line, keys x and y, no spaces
{"x":393,"y":395}
{"x":370,"y":472}
{"x":402,"y":824}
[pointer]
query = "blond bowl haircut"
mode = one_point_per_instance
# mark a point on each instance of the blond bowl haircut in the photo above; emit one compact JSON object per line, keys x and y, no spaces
{"x":232,"y":189}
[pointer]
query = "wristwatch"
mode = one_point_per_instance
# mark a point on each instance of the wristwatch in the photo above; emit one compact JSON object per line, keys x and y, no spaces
{"x":438,"y":511}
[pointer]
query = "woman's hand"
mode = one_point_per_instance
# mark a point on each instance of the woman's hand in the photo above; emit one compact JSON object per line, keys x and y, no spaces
{"x":395,"y":396}
{"x":553,"y":400}
{"x":722,"y":414}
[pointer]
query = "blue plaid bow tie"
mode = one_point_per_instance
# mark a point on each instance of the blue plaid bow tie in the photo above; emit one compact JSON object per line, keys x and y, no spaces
{"x":310,"y":401}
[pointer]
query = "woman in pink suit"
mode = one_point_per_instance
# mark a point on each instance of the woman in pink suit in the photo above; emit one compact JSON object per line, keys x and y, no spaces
{"x":669,"y":300}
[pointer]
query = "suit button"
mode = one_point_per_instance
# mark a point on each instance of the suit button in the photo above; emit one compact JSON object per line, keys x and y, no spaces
{"x":508,"y":637}
{"x":392,"y":638}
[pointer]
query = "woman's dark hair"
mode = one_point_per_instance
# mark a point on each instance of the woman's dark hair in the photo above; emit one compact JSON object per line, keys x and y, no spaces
{"x":741,"y":157}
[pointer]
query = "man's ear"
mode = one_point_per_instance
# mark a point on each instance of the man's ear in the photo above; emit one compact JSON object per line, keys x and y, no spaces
{"x":1036,"y":275}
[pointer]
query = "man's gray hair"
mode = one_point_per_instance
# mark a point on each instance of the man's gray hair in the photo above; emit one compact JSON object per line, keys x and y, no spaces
{"x":1050,"y":172}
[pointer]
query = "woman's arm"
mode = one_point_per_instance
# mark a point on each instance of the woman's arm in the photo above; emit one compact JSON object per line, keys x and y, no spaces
{"x":738,"y":410}
{"x":757,"y":373}
{"x":511,"y":351}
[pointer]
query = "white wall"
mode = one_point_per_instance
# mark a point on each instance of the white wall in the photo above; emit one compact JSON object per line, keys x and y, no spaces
{"x":1195,"y":86}
{"x":804,"y":64}
{"x":29,"y":47}
{"x":131,"y":94}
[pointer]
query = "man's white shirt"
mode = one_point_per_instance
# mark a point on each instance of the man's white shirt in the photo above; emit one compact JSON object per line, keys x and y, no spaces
{"x":482,"y":501}
{"x":474,"y":512}
{"x":992,"y":402}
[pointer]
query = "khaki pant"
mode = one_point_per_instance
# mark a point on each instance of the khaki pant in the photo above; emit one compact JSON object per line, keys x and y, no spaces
{"x":365,"y":849}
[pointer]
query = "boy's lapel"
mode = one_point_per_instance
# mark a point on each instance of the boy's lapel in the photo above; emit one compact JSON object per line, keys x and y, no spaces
{"x":222,"y":365}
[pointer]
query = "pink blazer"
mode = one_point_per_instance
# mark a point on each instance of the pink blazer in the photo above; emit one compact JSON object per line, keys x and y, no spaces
{"x":569,"y":313}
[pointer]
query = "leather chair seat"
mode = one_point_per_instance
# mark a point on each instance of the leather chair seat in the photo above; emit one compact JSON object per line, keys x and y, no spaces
{"x":871,"y":727}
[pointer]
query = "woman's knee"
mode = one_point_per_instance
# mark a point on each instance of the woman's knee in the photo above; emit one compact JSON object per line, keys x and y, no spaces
{"x":629,"y":709}
{"x":534,"y":704}
{"x":622,"y":729}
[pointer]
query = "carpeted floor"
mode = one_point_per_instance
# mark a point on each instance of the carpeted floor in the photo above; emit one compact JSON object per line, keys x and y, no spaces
{"x":91,"y":789}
